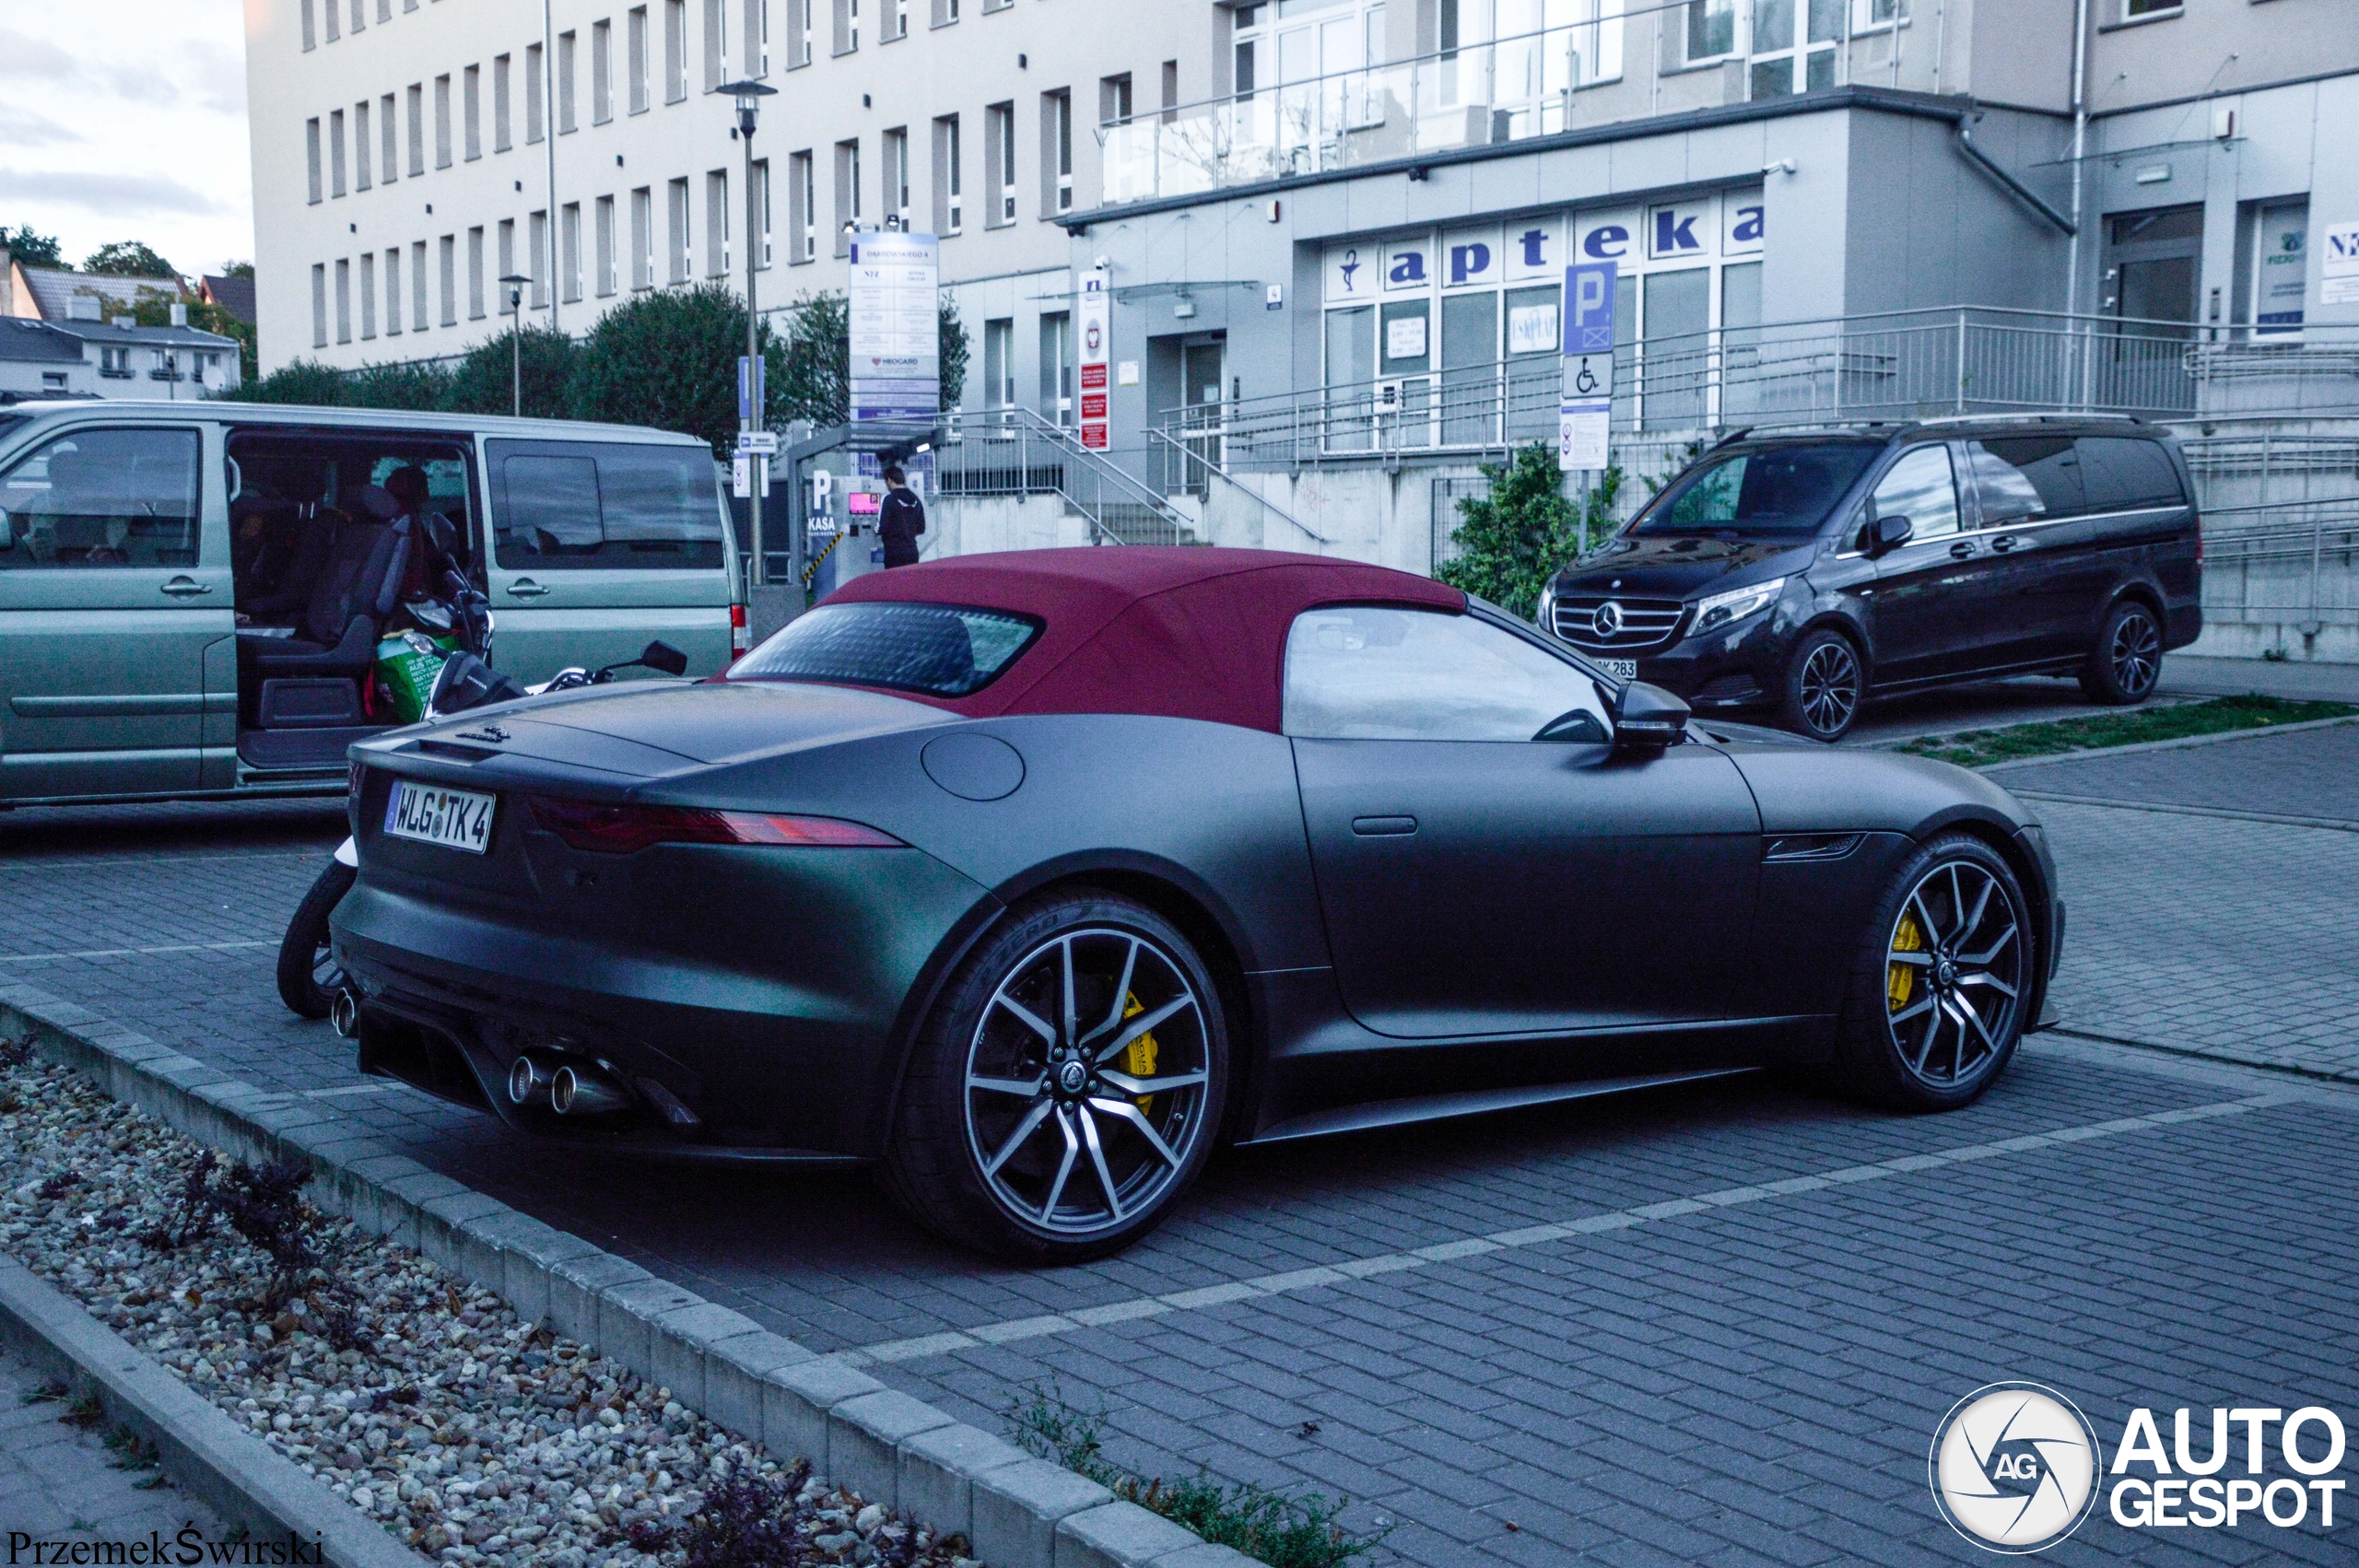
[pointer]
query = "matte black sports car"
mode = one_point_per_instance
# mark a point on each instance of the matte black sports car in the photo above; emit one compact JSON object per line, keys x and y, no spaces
{"x":1030,"y":877}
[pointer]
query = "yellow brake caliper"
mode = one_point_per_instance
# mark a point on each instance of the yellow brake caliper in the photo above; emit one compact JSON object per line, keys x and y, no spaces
{"x":1900,"y":979}
{"x":1138,"y":1057}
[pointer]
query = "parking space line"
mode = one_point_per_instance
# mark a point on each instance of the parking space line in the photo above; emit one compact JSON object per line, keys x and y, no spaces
{"x":131,"y":951}
{"x":1534,"y":1235}
{"x":131,"y":861}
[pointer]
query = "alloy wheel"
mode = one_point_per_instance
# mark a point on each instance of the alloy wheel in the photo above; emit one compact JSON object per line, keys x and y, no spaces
{"x":2136,"y":654}
{"x":1086,"y":1081}
{"x":1954,"y":974}
{"x":1830,"y":687}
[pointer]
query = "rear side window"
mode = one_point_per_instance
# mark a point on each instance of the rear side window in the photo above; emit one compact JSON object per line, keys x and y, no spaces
{"x":569,"y":506}
{"x":2122,"y":473}
{"x":95,"y":498}
{"x":939,"y":650}
{"x":2025,"y":476}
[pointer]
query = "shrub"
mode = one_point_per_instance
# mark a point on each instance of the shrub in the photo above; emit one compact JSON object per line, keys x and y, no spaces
{"x":667,"y":359}
{"x":1515,"y":536}
{"x":483,"y":382}
{"x":298,"y":381}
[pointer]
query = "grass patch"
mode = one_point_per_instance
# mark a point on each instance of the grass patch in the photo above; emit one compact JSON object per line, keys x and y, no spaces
{"x":1281,"y":1529}
{"x":1977,"y":748}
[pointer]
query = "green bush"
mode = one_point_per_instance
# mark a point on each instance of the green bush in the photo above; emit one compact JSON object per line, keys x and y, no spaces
{"x":483,"y":383}
{"x":1518,"y":536}
{"x":669,"y":360}
{"x":298,"y":381}
{"x":419,"y":385}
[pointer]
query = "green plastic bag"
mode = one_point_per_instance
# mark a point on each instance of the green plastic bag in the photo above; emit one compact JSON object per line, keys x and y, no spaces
{"x":406,"y":668}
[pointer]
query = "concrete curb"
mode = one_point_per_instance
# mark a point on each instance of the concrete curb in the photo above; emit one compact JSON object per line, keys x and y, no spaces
{"x":200,"y":1448}
{"x":1015,"y":1511}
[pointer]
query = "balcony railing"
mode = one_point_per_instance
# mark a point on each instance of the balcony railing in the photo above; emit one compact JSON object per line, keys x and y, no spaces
{"x":1615,"y":61}
{"x":1906,"y":365}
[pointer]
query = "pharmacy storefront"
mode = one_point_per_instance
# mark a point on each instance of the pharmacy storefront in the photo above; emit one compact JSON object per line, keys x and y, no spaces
{"x":1452,"y":337}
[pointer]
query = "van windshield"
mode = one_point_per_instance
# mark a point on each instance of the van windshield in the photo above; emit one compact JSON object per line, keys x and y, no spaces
{"x":1779,"y":490}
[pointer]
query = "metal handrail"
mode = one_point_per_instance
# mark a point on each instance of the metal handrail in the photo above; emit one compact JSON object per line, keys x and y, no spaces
{"x":1174,"y":446}
{"x":1019,"y":426}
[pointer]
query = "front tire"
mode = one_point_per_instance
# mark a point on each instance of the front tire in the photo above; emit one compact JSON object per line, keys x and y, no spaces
{"x":308,"y":976}
{"x":2127,"y":659}
{"x":1067,"y":1087}
{"x":1824,"y":682}
{"x":1935,"y":1005}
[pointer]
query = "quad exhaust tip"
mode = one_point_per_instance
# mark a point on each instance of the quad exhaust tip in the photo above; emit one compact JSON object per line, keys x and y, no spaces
{"x":527,"y":1081}
{"x":576,"y":1091}
{"x":344,"y":1013}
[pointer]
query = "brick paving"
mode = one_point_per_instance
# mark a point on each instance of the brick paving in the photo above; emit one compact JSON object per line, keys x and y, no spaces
{"x":1748,"y":1383}
{"x":60,"y":1483}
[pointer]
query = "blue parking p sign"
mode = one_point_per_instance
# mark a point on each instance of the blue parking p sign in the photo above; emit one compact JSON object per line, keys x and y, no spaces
{"x":1589,"y":308}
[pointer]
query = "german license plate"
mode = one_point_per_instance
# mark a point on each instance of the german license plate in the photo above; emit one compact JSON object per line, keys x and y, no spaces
{"x":1620,"y":669}
{"x":457,"y":819}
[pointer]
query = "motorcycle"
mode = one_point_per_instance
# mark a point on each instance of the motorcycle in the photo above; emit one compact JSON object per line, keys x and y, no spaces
{"x":310,"y":981}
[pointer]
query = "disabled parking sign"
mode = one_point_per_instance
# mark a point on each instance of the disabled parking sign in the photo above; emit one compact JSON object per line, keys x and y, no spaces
{"x":1585,"y":407}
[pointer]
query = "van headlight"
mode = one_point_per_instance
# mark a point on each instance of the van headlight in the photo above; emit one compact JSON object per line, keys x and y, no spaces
{"x":1726,"y":609}
{"x":1546,"y":614}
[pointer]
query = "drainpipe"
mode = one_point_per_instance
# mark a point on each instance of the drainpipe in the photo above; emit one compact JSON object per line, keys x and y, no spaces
{"x":2079,"y":147}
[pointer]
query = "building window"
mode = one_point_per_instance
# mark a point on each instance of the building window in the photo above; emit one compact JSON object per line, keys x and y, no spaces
{"x":1056,"y":150}
{"x":343,"y":300}
{"x":418,"y":286}
{"x":311,"y":153}
{"x":539,"y":270}
{"x":999,"y":362}
{"x":471,"y":105}
{"x":360,"y":181}
{"x":642,"y":238}
{"x":1868,"y":15}
{"x":389,"y":138}
{"x":2134,"y":9}
{"x":393,"y":292}
{"x":676,"y":198}
{"x":601,"y":73}
{"x":897,"y":176}
{"x":1783,"y":65}
{"x":847,"y":213}
{"x":1711,"y":29}
{"x":847,"y":26}
{"x":500,"y":139}
{"x":336,"y":152}
{"x":944,"y":12}
{"x":801,"y":36}
{"x":716,"y":223}
{"x":758,"y":38}
{"x":311,"y":34}
{"x":895,"y":22}
{"x":565,"y":50}
{"x":999,"y":162}
{"x":605,"y":238}
{"x":335,"y":23}
{"x":801,"y":210}
{"x":638,"y":63}
{"x":675,"y":50}
{"x":762,"y":195}
{"x":1056,"y":366}
{"x":1114,"y":98}
{"x":569,"y":254}
{"x":535,"y":101}
{"x":367,"y":295}
{"x":416,"y":129}
{"x":507,"y":262}
{"x":716,"y":41}
{"x":448,"y":253}
{"x":443,"y":122}
{"x":475,"y":279}
{"x":319,"y":305}
{"x":359,"y":18}
{"x":948,"y":199}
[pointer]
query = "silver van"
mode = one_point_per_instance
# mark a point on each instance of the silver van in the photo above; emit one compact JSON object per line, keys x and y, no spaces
{"x":192,"y":595}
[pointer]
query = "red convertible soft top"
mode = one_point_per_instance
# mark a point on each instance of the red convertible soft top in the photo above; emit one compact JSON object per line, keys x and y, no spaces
{"x":1184,"y":632}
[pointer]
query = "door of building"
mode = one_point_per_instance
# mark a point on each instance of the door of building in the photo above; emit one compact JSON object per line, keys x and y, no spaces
{"x":1203,"y":380}
{"x":2154,"y":269}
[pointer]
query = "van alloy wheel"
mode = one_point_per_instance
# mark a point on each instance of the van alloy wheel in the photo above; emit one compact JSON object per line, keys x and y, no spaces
{"x":2135,"y":653}
{"x":1824,"y":686}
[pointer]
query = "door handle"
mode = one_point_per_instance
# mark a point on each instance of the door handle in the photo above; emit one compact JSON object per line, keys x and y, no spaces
{"x":1383,"y":826}
{"x":186,"y":588}
{"x":1962,"y":549}
{"x":525,"y":587}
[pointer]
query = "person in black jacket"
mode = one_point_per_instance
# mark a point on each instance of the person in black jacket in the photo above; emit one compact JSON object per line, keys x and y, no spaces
{"x":899,"y":519}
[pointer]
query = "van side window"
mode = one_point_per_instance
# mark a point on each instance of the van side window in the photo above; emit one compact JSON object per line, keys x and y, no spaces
{"x":1921,"y":488}
{"x":102,"y":498}
{"x":566,"y":506}
{"x":2020,"y":477}
{"x":2122,"y":473}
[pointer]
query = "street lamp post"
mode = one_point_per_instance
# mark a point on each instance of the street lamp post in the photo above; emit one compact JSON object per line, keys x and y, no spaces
{"x":749,"y":95}
{"x":516,"y":282}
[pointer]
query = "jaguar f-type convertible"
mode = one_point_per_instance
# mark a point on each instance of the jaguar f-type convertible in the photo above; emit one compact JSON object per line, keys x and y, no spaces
{"x":1032,"y":877}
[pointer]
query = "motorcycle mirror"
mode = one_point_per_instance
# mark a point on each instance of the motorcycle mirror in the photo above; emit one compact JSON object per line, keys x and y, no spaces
{"x":663,"y":657}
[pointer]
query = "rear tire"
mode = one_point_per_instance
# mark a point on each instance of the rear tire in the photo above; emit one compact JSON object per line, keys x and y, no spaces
{"x":308,"y":976}
{"x":1934,"y":1007}
{"x":2127,"y":659}
{"x":1825,"y":680}
{"x":1022,"y":1130}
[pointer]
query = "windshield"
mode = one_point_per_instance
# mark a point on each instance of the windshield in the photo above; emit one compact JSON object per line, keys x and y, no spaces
{"x":1783,"y":490}
{"x":939,"y":649}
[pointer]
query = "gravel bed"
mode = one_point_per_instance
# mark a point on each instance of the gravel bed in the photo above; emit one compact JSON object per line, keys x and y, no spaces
{"x":473,"y":1436}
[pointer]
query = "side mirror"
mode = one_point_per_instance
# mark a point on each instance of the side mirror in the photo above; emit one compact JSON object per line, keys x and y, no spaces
{"x":1890,"y":533}
{"x":662,"y":656}
{"x":1648,"y":719}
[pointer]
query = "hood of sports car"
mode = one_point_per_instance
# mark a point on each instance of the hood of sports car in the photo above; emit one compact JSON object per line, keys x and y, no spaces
{"x":1681,"y":565}
{"x":646,"y":729}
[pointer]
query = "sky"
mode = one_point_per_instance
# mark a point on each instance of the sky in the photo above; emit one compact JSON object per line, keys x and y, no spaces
{"x":126,"y":119}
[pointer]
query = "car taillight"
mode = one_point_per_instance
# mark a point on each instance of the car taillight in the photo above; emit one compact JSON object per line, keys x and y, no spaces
{"x":740,"y":636}
{"x":622,"y":830}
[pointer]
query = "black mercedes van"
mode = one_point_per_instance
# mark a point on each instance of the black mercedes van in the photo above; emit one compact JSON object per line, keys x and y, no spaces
{"x":1802,"y":570}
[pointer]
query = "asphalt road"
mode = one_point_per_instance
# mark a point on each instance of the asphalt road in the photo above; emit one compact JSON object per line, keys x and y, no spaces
{"x":1709,"y":1325}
